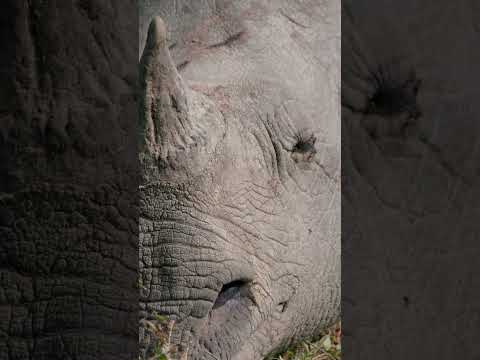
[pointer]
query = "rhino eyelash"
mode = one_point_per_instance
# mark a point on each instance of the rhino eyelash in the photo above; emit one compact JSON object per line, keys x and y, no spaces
{"x":304,"y":143}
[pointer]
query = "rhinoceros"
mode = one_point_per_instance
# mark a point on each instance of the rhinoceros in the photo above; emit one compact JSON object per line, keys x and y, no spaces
{"x":240,"y":159}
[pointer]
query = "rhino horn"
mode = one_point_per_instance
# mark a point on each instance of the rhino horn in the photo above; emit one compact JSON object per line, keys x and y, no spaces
{"x":164,"y":114}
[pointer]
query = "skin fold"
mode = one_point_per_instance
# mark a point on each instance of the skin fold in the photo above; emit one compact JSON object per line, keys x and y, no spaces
{"x":240,"y":157}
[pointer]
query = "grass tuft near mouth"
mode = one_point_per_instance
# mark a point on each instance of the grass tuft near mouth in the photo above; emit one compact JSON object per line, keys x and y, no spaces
{"x":161,"y":330}
{"x":328,"y":347}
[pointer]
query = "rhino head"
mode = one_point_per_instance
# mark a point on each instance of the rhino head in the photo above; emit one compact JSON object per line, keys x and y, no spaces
{"x":240,"y":153}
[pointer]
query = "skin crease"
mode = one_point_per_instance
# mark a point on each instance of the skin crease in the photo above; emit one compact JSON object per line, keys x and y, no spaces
{"x":228,"y":193}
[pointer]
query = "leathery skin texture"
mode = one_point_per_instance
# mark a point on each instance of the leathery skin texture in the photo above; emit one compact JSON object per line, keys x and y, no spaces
{"x":240,"y":157}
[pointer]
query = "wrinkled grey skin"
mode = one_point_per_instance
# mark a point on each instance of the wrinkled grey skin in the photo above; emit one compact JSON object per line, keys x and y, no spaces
{"x":228,"y":195}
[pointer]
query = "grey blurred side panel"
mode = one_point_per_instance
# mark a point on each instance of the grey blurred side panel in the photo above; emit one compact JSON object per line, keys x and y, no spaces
{"x":410,"y":149}
{"x":68,"y":180}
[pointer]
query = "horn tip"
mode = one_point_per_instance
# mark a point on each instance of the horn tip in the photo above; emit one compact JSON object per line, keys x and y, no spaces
{"x":157,"y":31}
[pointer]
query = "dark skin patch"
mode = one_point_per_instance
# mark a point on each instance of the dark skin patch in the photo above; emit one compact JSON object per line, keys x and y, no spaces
{"x":392,"y":96}
{"x":231,"y":40}
{"x":305,"y":143}
{"x":183,"y":65}
{"x":304,"y":148}
{"x":292,"y":20}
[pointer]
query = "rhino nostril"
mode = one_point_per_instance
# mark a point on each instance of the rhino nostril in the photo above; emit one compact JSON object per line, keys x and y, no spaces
{"x":230,"y":291}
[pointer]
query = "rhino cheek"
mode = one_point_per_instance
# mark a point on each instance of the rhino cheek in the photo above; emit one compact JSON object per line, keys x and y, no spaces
{"x":185,"y":261}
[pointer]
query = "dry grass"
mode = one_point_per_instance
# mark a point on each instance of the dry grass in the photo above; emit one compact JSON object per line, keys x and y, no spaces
{"x":161,"y":330}
{"x":328,"y":347}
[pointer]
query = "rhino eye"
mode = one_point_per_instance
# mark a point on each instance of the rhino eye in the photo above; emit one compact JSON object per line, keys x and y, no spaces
{"x":392,"y":97}
{"x":304,"y":146}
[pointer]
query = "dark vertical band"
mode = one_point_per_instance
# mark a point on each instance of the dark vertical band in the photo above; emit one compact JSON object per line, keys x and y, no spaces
{"x":410,"y":149}
{"x":68,"y":180}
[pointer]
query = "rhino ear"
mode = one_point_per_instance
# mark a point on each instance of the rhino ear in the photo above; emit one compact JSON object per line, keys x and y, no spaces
{"x":163,"y":100}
